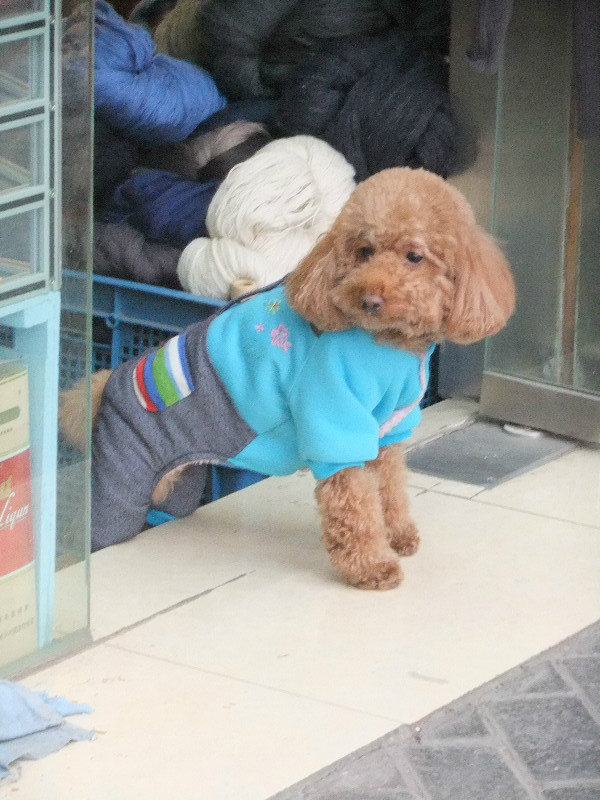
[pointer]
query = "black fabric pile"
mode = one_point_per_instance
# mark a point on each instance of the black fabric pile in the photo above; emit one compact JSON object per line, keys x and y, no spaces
{"x":368,"y":76}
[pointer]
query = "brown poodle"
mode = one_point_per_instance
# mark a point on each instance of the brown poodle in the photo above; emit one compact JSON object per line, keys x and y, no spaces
{"x":406,"y":262}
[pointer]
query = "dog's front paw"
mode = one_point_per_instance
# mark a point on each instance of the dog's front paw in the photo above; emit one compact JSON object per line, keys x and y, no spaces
{"x":369,"y":572}
{"x":404,"y":538}
{"x":380,"y":575}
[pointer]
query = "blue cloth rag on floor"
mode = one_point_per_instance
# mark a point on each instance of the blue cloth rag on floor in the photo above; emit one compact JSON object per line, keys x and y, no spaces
{"x":32,"y":724}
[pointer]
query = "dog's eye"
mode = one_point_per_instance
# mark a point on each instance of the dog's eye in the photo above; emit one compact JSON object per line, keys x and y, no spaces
{"x":414,"y":258}
{"x":365,"y":252}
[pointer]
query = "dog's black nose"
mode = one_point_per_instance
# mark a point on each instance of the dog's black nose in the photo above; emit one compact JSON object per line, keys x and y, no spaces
{"x":371,"y":303}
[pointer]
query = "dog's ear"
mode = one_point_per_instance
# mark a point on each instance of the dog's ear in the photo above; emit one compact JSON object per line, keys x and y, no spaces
{"x":310,"y":285}
{"x":484,"y":296}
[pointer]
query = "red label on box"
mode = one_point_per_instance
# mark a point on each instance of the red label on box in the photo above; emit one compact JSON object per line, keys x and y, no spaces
{"x":16,"y":519}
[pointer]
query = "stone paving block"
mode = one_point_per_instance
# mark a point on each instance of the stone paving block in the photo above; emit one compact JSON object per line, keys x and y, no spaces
{"x":368,"y":775}
{"x":554,"y":736}
{"x":588,"y":641}
{"x":573,"y":793}
{"x":359,"y":794}
{"x":536,"y":678}
{"x":465,"y":773}
{"x":451,"y":723}
{"x":586,"y":672}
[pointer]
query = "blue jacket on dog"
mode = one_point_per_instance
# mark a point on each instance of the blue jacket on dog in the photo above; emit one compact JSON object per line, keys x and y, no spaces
{"x":257,"y":387}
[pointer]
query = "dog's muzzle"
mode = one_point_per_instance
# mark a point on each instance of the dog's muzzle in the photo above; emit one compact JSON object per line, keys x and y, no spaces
{"x":371,"y":303}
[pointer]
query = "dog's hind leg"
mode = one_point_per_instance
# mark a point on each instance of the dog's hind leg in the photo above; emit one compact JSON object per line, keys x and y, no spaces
{"x":354,"y":530}
{"x":73,"y":409}
{"x":181,"y":490}
{"x":390,"y":469}
{"x":164,"y":488}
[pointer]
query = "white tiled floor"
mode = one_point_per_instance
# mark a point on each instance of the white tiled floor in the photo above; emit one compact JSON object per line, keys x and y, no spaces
{"x":247,"y":665}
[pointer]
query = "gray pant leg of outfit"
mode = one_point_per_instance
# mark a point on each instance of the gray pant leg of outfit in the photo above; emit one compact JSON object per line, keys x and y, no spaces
{"x":123,"y":471}
{"x":133,"y":448}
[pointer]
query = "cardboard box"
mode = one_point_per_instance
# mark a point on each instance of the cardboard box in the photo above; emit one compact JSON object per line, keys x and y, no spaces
{"x":18,"y":627}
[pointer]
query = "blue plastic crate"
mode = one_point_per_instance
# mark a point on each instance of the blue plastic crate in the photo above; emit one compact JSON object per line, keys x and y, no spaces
{"x":128,"y":318}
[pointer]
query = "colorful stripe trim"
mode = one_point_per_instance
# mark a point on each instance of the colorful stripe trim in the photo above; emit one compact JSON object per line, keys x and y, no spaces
{"x":163,"y":378}
{"x":140,"y":387}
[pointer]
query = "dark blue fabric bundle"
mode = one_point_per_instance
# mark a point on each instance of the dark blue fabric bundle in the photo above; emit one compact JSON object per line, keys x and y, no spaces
{"x":151,"y":98}
{"x":114,"y":159}
{"x":163,"y":206}
{"x":380,"y":101}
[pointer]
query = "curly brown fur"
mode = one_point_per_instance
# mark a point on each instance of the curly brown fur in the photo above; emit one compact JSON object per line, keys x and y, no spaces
{"x":366,"y":522}
{"x":406,"y":261}
{"x":461,"y":289}
{"x":390,"y":469}
{"x":354,"y":529}
{"x":73,"y":408}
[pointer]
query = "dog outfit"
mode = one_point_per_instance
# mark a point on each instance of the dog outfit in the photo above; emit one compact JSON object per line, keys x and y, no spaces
{"x":256,"y":387}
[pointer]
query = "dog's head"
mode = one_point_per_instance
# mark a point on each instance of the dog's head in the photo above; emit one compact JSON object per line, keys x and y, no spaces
{"x":406,"y":261}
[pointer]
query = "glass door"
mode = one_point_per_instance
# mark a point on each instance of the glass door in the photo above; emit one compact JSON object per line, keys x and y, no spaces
{"x":543,"y":369}
{"x":45,"y":224}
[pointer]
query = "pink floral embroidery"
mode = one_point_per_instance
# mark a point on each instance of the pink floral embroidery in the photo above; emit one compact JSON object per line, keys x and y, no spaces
{"x":260,"y":327}
{"x":279,"y":337}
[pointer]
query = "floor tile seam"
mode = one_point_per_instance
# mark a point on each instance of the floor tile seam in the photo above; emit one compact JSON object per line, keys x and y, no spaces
{"x":488,"y":503}
{"x":410,"y":776}
{"x":578,"y":690}
{"x":173,"y":607}
{"x":419,"y":492}
{"x":577,"y":656}
{"x":445,"y":428}
{"x":527,"y":512}
{"x":246,"y":681}
{"x":572,"y":783}
{"x":422,"y":488}
{"x":520,"y":697}
{"x":483,"y":489}
{"x":509,"y":755}
{"x":483,"y":741}
{"x":93,"y":644}
{"x":451,"y":494}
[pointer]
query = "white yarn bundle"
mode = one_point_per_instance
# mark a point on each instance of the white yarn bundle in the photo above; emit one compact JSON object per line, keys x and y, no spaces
{"x":266,"y":216}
